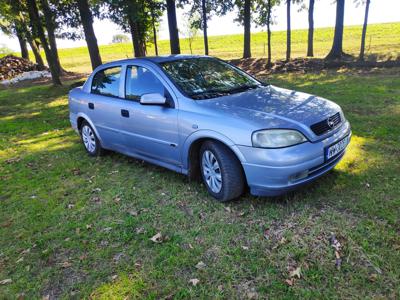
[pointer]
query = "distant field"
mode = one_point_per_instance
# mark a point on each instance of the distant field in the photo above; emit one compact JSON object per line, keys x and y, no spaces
{"x":383,"y":41}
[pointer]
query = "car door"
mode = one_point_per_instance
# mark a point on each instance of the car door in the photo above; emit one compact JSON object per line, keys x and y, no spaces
{"x":150,"y":130}
{"x":104,"y":107}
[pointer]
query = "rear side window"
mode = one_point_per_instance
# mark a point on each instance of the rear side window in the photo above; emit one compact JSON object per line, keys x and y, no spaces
{"x":139,"y":81}
{"x":106,"y":82}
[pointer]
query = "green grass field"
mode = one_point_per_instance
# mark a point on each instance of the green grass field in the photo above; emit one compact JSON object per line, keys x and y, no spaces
{"x":78,"y":227}
{"x":382,"y":42}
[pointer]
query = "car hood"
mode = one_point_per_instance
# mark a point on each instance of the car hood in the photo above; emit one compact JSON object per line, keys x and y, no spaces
{"x":274,"y":103}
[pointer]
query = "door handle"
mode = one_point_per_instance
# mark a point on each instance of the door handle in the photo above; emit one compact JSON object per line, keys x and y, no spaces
{"x":125,"y":113}
{"x":91,"y":105}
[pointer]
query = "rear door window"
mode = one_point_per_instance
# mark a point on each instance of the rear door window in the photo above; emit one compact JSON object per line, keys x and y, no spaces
{"x":106,"y":82}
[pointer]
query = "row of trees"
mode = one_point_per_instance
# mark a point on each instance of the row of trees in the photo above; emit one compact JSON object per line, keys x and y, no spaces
{"x":39,"y":22}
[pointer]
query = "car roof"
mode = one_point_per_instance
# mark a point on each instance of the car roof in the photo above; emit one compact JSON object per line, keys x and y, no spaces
{"x":155,"y":59}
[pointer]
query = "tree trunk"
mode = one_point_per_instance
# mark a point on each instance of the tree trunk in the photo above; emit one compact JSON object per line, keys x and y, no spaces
{"x":364,"y":31}
{"x":173,"y":28}
{"x":138,"y":49}
{"x":36,"y":53}
{"x":288,"y":31}
{"x":37,"y":24}
{"x":90,"y":37}
{"x":269,"y":8}
{"x":310,"y":49}
{"x":205,"y":35}
{"x":153,"y":21}
{"x":35,"y":48}
{"x":247,"y":29}
{"x":337,"y":47}
{"x":22,"y":43}
{"x":50,"y":27}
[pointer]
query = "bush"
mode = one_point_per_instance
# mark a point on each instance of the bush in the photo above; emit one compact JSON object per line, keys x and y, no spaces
{"x":120,"y":38}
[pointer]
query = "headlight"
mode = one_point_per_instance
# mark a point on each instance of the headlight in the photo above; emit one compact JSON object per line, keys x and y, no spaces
{"x":277,"y":138}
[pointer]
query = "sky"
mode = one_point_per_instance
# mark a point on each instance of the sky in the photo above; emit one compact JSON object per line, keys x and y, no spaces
{"x":324,"y":16}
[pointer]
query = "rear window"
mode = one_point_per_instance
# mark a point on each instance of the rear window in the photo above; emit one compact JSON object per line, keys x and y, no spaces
{"x":106,"y":82}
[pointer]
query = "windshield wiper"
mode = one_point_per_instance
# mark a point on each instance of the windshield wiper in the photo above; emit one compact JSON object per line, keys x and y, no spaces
{"x":208,"y":95}
{"x":242,"y":88}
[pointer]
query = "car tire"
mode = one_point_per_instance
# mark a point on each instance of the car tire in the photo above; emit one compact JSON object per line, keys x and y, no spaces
{"x":221,"y":171}
{"x":90,"y":140}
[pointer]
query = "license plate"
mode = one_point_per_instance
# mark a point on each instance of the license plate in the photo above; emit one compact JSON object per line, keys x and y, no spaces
{"x":336,"y":148}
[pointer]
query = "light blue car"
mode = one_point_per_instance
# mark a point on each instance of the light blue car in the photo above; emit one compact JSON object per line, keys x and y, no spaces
{"x":203,"y":117}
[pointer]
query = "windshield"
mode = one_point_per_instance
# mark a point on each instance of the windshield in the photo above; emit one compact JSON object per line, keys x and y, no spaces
{"x":203,"y":78}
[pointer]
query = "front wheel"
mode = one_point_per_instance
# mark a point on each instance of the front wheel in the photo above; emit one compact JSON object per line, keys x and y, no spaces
{"x":221,"y":171}
{"x":90,"y":140}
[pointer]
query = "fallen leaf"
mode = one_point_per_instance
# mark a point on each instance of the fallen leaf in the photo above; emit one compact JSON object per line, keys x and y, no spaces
{"x":245,"y":248}
{"x":114,"y":277}
{"x":133,"y":213}
{"x":202,"y":215}
{"x":20,"y":260}
{"x":200,"y":265}
{"x":228,"y":209}
{"x":96,"y":200}
{"x":76,"y":171}
{"x":252,"y":295}
{"x":107,"y":229}
{"x":13,"y":160}
{"x":96,"y":190}
{"x":117,"y":199}
{"x":118,"y":256}
{"x":89,"y":226}
{"x":5,"y":281}
{"x":82,"y":257}
{"x":194,"y":281}
{"x":158,"y":238}
{"x":241,"y":214}
{"x":282,"y":241}
{"x":295,"y":273}
{"x":139,"y":230}
{"x":70,"y":206}
{"x":373,"y":277}
{"x":66,"y":264}
{"x":27,"y":250}
{"x":289,"y":281}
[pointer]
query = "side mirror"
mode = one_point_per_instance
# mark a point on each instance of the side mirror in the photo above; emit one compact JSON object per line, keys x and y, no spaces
{"x":152,"y":99}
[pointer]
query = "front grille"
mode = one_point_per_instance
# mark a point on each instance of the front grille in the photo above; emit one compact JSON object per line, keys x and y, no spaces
{"x":326,"y":125}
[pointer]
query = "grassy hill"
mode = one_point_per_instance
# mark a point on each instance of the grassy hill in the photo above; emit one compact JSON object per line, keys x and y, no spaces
{"x":383,"y":42}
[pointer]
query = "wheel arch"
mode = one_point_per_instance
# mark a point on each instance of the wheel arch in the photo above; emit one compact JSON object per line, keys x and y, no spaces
{"x":83,"y":117}
{"x":192,"y":147}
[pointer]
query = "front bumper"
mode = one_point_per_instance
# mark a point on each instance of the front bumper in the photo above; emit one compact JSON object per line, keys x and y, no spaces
{"x":273,"y":172}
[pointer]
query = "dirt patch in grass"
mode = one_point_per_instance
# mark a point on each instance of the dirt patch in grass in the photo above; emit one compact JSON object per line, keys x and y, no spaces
{"x":257,"y":66}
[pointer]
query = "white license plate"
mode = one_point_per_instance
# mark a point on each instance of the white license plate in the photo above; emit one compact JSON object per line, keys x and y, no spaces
{"x":337,"y":148}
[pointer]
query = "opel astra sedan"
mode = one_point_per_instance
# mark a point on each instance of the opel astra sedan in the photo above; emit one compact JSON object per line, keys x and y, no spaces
{"x":205,"y":118}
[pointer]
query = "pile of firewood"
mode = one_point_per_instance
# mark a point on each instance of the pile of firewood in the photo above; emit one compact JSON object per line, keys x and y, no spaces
{"x":11,"y":66}
{"x":297,"y":65}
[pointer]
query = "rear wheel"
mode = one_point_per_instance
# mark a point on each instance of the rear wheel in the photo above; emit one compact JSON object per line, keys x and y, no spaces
{"x":90,"y":140}
{"x":221,"y":171}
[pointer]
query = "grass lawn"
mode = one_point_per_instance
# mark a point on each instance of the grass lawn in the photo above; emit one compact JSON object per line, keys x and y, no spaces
{"x":382,"y":42}
{"x":78,"y":227}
